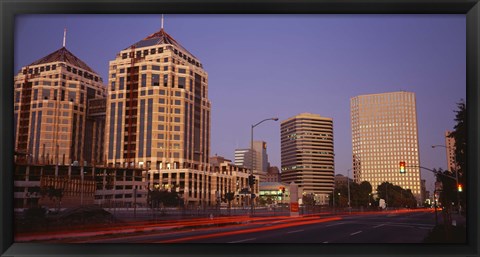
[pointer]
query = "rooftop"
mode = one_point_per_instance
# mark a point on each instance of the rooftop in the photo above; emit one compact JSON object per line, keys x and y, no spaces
{"x":159,"y":38}
{"x":63,"y":55}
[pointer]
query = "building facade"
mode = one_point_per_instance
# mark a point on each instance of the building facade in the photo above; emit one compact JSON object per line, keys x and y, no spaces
{"x":261,"y":157}
{"x":384,"y":133}
{"x":307,"y":153}
{"x":52,"y":96}
{"x":158,"y":113}
{"x":243,"y":158}
{"x":273,"y":175}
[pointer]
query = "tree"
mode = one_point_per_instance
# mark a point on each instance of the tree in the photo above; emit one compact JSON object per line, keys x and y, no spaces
{"x":365,"y":196}
{"x":54,"y":194}
{"x":229,"y":198}
{"x":460,"y":136}
{"x":308,"y":200}
{"x":396,"y":196}
{"x":157,"y":198}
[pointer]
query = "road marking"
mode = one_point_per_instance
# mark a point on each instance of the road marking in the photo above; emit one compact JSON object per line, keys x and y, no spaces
{"x":381,"y":225}
{"x":358,"y":232}
{"x":335,"y":224}
{"x":326,"y":242}
{"x":239,"y":241}
{"x":295,"y":231}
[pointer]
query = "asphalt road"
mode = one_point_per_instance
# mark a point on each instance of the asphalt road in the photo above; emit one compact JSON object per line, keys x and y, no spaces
{"x":401,"y":227}
{"x":391,"y":228}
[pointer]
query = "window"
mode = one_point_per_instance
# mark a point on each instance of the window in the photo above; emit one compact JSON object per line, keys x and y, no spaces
{"x":155,"y":67}
{"x":165,"y":80}
{"x":155,"y":80}
{"x":181,"y":82}
{"x":122,"y":83}
{"x":144,"y":80}
{"x":165,"y":68}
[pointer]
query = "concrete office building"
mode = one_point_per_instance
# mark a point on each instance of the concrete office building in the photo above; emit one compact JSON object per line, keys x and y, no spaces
{"x":384,"y":133}
{"x":243,"y":158}
{"x":261,"y":157}
{"x":51,"y":121}
{"x":273,"y":175}
{"x":158,"y":113}
{"x":307,"y":154}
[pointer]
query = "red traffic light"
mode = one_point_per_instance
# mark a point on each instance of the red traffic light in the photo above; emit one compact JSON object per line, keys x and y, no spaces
{"x":402,"y":167}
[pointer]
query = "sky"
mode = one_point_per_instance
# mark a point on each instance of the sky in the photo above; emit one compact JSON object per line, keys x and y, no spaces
{"x":263,"y":66}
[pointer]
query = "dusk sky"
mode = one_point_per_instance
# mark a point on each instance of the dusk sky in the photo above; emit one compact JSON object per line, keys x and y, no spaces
{"x":263,"y":66}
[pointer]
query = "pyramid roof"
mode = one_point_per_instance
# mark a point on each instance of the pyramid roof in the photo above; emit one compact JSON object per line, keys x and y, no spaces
{"x":63,"y":55}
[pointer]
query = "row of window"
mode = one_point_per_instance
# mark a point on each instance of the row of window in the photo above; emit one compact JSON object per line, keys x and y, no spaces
{"x":38,"y":70}
{"x":159,"y":50}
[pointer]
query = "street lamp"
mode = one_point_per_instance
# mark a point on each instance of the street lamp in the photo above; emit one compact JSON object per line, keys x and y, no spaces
{"x":456,"y":174}
{"x":251,"y":149}
{"x":348,"y":186}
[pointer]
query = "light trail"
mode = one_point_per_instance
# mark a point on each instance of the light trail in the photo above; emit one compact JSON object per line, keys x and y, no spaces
{"x":252,"y":230}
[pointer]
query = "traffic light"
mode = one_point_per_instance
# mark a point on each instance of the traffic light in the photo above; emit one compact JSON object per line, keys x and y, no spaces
{"x":460,"y":188}
{"x":251,"y":180}
{"x":283,"y":190}
{"x":402,"y":167}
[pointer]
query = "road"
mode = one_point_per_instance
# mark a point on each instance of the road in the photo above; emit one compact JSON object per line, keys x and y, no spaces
{"x":383,"y":227}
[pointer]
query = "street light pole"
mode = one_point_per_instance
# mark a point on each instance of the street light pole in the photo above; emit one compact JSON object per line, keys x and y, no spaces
{"x":348,"y":185}
{"x":251,"y":154}
{"x":456,"y":174}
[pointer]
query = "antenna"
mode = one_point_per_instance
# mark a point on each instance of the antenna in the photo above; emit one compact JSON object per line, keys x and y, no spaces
{"x":162,"y":21}
{"x":64,"y":36}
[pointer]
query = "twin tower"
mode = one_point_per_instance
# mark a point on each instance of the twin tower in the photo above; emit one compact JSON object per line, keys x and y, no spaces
{"x":154,"y":112}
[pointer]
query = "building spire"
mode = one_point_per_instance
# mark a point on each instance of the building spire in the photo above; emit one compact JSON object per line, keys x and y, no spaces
{"x":162,"y":21}
{"x":64,"y":36}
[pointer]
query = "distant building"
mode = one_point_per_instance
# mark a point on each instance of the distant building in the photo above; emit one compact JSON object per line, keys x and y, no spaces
{"x":261,"y":157}
{"x":384,"y":133}
{"x":423,"y":190}
{"x":341,"y":180}
{"x":307,"y":154}
{"x":227,"y":177}
{"x":217,"y":160}
{"x":450,"y":150}
{"x":243,"y":158}
{"x":273,"y":175}
{"x":274,"y":193}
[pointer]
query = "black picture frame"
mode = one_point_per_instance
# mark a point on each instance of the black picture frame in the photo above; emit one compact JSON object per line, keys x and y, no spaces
{"x":10,"y":8}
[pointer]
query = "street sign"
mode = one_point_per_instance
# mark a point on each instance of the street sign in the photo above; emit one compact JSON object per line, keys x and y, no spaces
{"x":293,"y":207}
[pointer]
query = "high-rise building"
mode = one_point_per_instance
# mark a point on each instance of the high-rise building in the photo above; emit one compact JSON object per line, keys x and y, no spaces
{"x":384,"y":133}
{"x":52,"y":98}
{"x":243,"y":158}
{"x":261,"y":157}
{"x":158,"y":118}
{"x":158,"y":113}
{"x":450,"y":150}
{"x":307,"y":154}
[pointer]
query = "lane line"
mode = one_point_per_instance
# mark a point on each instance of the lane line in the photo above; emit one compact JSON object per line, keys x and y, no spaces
{"x":381,"y":225}
{"x":295,"y":231}
{"x":358,"y":232}
{"x":244,"y":240}
{"x":335,"y":224}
